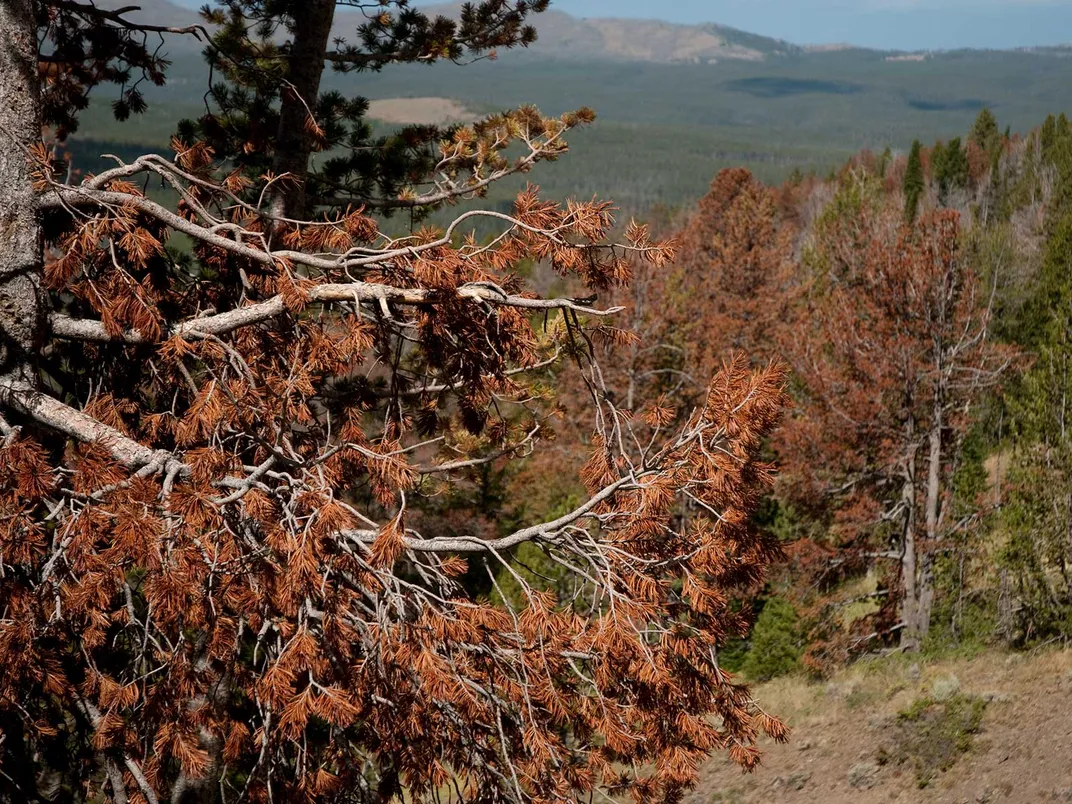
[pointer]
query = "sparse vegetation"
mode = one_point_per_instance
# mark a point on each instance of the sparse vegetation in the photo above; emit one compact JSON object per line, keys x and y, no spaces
{"x":1010,"y":710}
{"x":931,"y":734}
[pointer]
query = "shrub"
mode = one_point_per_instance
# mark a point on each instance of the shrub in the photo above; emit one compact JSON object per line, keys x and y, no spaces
{"x":776,"y":642}
{"x":931,"y":734}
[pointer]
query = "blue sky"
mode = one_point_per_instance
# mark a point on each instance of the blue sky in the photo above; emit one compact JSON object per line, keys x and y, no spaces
{"x":901,"y":24}
{"x":904,"y":24}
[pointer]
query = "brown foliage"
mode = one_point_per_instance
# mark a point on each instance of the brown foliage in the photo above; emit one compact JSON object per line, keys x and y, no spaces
{"x":892,"y":352}
{"x":213,"y":573}
{"x":734,"y":270}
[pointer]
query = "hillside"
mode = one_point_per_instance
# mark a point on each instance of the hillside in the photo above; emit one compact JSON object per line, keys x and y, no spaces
{"x":338,"y":464}
{"x":848,"y":732}
{"x":570,"y":38}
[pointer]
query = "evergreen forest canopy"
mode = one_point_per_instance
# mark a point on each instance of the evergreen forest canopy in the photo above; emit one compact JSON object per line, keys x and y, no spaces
{"x":296,"y":507}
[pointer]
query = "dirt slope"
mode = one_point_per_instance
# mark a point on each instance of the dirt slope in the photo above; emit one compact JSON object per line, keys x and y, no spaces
{"x":1022,"y":753}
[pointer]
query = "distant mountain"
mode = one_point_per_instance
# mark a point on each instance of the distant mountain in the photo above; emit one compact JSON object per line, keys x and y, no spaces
{"x":565,"y":37}
{"x":668,"y":117}
{"x":562,"y":36}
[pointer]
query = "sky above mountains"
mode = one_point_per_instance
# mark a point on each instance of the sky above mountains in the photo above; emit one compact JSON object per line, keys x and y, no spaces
{"x":893,"y":24}
{"x":898,"y":24}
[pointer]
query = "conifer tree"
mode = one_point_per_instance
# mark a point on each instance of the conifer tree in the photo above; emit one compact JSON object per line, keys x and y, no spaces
{"x":914,"y":181}
{"x":735,"y":255}
{"x":950,"y":164}
{"x":1037,"y":516}
{"x":985,"y":132}
{"x":1036,"y":519}
{"x":775,"y":645}
{"x":268,"y":114}
{"x":892,"y":357}
{"x":1048,"y":135}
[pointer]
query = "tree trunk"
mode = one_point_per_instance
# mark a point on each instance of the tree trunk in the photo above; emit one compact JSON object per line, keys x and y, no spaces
{"x":925,"y":579}
{"x":23,"y":303}
{"x":924,"y":596}
{"x":934,"y":473}
{"x":312,"y":31}
{"x":917,"y":588}
{"x":1068,"y":539}
{"x":1006,"y":628}
{"x":909,"y":561}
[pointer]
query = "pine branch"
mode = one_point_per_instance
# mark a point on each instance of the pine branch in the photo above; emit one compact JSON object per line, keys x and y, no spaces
{"x":358,"y":292}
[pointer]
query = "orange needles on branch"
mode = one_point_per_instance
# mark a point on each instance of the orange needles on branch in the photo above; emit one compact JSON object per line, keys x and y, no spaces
{"x":224,"y":573}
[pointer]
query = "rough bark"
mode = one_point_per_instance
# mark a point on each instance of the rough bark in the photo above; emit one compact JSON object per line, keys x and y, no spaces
{"x":23,"y":304}
{"x":917,"y":562}
{"x":312,"y":31}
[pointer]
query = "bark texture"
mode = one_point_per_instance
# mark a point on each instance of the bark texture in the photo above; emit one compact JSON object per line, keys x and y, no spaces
{"x":23,"y":305}
{"x":294,"y":144}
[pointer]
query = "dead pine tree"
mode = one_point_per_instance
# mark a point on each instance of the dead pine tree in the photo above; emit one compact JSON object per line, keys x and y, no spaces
{"x":220,"y":576}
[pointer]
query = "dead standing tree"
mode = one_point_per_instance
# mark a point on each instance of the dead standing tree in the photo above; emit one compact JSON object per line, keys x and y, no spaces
{"x":894,"y":356}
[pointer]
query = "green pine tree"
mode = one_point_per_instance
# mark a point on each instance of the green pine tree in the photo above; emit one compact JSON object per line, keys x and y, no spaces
{"x":1048,"y":135}
{"x":985,"y":132}
{"x":1037,"y":516}
{"x":914,"y":181}
{"x":884,"y":161}
{"x":938,"y":169}
{"x":775,"y":647}
{"x":268,"y":112}
{"x":950,"y":168}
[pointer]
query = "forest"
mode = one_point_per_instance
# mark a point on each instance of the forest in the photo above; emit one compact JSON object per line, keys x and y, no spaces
{"x":328,"y":474}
